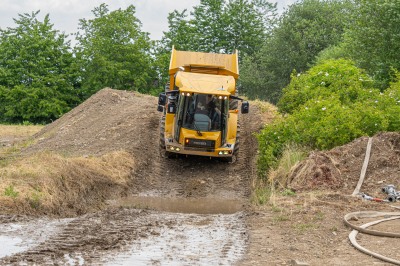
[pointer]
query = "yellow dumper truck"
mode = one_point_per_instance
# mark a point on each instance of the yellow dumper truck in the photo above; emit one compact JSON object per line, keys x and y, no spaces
{"x":200,"y":105}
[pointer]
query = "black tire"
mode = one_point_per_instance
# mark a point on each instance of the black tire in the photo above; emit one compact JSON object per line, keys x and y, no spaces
{"x":237,"y":143}
{"x":234,"y":157}
{"x":233,"y":104}
{"x":164,"y":153}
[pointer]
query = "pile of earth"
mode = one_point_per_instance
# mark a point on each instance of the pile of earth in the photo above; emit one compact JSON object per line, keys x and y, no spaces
{"x":110,"y":120}
{"x":339,"y":169}
{"x":85,"y":157}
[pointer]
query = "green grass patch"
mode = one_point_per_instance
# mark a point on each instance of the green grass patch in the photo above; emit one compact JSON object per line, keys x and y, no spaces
{"x":11,"y":192}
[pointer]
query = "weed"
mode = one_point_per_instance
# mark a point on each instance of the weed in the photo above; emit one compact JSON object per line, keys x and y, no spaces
{"x":275,"y":208}
{"x":288,"y":192}
{"x":281,"y":218}
{"x":261,"y":192}
{"x":261,"y":195}
{"x":35,"y":199}
{"x":10,"y":192}
{"x":303,"y":227}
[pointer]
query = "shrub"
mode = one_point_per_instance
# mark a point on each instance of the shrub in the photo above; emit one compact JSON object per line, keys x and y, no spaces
{"x":339,"y":77}
{"x":328,"y":106}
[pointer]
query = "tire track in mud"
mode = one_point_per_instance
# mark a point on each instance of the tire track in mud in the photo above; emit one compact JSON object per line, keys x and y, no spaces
{"x":196,"y":176}
{"x":140,"y":237}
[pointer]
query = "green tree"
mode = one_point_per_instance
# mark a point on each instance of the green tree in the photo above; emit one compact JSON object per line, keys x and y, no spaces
{"x":303,"y":31}
{"x":373,"y":40}
{"x":248,"y":25}
{"x":37,"y":80}
{"x":209,"y":21}
{"x":180,"y":35}
{"x":114,"y":52}
{"x":218,"y":26}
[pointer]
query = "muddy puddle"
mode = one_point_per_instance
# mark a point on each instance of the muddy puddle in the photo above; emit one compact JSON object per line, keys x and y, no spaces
{"x":182,"y":205}
{"x":188,"y":239}
{"x":21,"y":236}
{"x":133,"y":231}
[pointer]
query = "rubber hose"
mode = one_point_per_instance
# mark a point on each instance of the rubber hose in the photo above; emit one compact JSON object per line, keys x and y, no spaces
{"x":362,"y":228}
{"x":370,"y":214}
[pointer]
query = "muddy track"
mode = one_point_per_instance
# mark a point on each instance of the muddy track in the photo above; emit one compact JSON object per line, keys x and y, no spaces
{"x":195,"y":176}
{"x":130,"y":122}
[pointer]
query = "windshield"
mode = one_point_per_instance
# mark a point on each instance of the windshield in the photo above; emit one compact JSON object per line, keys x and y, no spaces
{"x":204,"y":112}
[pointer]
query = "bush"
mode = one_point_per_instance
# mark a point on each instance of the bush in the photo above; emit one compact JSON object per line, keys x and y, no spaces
{"x":339,"y":77}
{"x":322,"y":116}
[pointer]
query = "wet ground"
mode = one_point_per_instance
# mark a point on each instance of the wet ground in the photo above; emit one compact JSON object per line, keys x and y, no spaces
{"x":163,"y":232}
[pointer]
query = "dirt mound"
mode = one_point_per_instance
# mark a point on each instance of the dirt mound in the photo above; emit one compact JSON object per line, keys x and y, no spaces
{"x":110,"y":120}
{"x":340,"y":167}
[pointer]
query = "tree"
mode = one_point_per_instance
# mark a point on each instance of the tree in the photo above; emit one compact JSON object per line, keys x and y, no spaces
{"x":114,"y":52}
{"x":373,"y":40}
{"x":37,"y":80}
{"x":303,"y":31}
{"x":217,"y":26}
{"x":248,"y":25}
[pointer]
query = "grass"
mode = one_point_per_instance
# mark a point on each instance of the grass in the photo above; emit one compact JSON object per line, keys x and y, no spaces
{"x":14,"y":138}
{"x":51,"y":180}
{"x":278,"y":177}
{"x":55,"y":182}
{"x":10,"y":192}
{"x":291,"y":155}
{"x":265,"y":107}
{"x":19,"y":131}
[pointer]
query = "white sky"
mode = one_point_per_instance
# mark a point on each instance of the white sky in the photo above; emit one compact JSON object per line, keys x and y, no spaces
{"x":65,"y":14}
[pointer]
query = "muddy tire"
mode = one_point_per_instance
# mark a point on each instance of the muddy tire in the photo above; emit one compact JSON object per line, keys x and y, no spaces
{"x":163,"y":152}
{"x":233,"y":104}
{"x":236,"y":149}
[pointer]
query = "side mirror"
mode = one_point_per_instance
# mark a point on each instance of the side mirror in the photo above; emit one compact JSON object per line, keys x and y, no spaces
{"x":162,"y":99}
{"x":171,"y":108}
{"x":245,"y":107}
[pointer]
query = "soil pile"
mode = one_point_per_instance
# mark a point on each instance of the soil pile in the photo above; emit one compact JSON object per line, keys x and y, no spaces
{"x":110,"y":120}
{"x":340,"y":167}
{"x":84,"y":158}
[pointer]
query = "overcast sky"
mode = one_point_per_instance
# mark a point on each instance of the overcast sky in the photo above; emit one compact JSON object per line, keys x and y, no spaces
{"x":65,"y":14}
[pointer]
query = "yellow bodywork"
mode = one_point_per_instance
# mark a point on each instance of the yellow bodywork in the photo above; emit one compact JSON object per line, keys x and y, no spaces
{"x":205,"y":83}
{"x":202,"y":73}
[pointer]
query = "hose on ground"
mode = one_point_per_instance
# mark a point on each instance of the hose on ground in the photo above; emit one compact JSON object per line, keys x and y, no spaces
{"x":362,"y":228}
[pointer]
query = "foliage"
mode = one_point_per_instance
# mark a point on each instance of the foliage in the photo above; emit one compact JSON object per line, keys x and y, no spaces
{"x":37,"y":80}
{"x":11,"y":192}
{"x":221,"y":26}
{"x":330,"y":105}
{"x":339,"y":77}
{"x":303,"y":31}
{"x":114,"y":52}
{"x":218,"y":26}
{"x":291,"y":155}
{"x":373,"y":40}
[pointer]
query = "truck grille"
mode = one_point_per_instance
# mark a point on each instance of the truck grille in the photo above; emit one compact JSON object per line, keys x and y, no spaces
{"x":200,"y":143}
